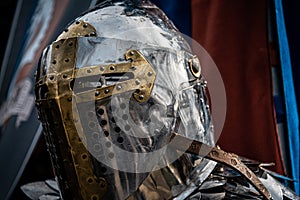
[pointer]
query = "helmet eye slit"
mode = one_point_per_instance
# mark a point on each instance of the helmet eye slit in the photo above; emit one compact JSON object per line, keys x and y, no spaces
{"x":112,"y":79}
{"x":82,"y":84}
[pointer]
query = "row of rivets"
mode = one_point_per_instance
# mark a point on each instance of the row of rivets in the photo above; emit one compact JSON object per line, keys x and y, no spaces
{"x":52,"y":77}
{"x":244,"y":170}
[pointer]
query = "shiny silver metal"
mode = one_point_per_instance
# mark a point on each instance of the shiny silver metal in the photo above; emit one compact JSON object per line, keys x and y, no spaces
{"x":111,"y":91}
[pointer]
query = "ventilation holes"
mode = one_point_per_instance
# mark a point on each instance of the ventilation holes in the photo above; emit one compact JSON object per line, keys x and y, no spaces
{"x":120,"y":140}
{"x":103,"y":122}
{"x":106,"y":133}
{"x":117,"y":129}
{"x":100,"y":111}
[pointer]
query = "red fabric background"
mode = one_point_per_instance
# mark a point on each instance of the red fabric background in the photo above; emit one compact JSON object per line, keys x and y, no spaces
{"x":235,"y":34}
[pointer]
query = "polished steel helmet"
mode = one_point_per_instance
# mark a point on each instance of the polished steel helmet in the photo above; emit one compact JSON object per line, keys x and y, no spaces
{"x":113,"y":91}
{"x":110,"y":91}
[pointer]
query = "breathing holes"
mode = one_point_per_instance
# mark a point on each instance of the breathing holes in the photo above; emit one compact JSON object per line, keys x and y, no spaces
{"x":100,"y":111}
{"x":106,"y":133}
{"x":120,"y":140}
{"x":103,"y":122}
{"x":117,"y":129}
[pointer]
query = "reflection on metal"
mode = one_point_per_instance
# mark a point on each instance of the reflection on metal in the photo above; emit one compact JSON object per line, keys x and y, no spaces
{"x":141,"y":81}
{"x":54,"y":96}
{"x":101,"y":72}
{"x":195,"y":66}
{"x":101,"y":112}
{"x":213,"y":153}
{"x":77,"y":29}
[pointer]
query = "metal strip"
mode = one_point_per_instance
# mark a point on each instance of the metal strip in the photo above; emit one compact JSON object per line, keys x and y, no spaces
{"x":142,"y":81}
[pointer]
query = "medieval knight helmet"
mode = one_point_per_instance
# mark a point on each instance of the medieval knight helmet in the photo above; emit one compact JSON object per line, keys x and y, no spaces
{"x":110,"y":91}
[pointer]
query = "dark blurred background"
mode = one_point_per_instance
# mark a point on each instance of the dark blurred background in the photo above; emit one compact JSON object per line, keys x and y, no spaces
{"x":7,"y":13}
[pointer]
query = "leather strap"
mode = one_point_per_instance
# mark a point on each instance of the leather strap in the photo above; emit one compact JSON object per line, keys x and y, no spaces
{"x":229,"y":159}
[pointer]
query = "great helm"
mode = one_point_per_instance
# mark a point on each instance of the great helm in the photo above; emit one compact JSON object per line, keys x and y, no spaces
{"x":110,"y":92}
